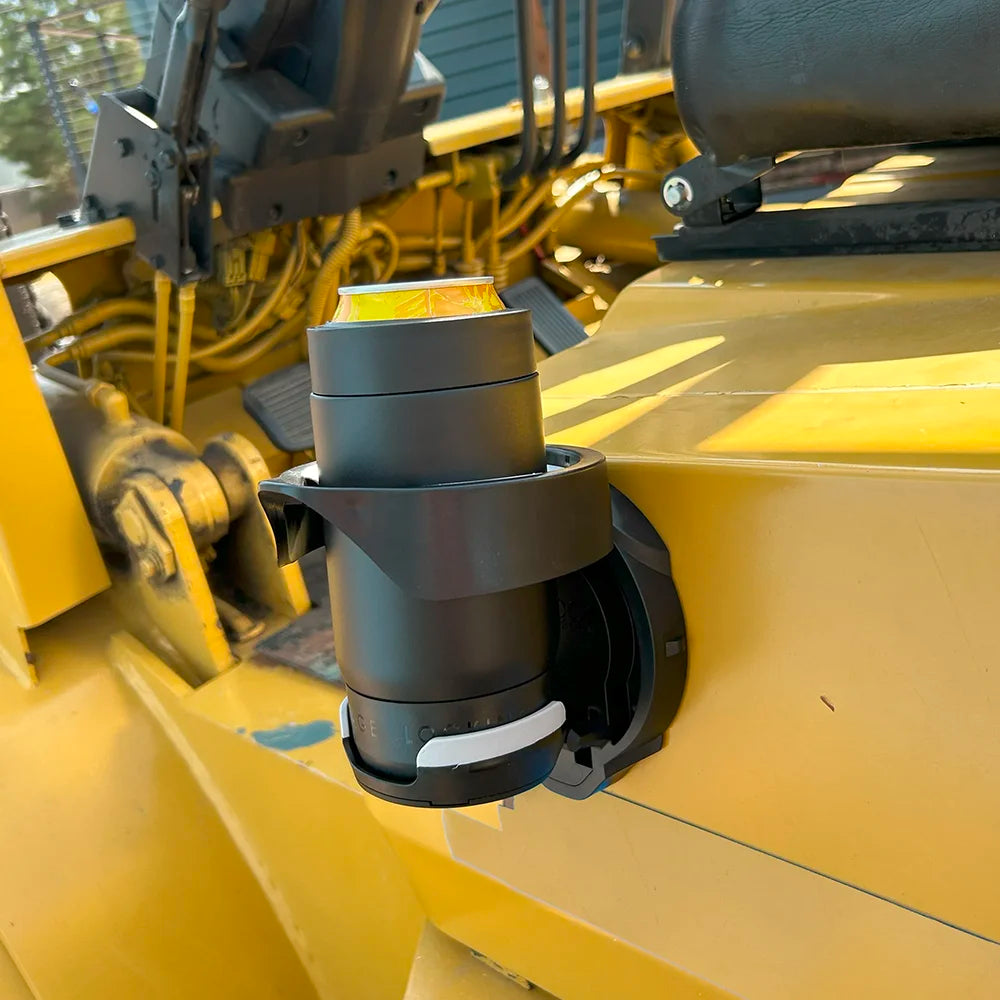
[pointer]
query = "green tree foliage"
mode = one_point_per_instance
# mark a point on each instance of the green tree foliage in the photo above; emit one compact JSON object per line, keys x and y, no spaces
{"x":29,"y":133}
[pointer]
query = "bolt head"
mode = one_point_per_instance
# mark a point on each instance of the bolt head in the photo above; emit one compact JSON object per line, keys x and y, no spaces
{"x":148,"y":569}
{"x":677,"y":193}
{"x":132,"y":525}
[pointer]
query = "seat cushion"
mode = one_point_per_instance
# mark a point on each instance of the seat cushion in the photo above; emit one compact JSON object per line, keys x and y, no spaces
{"x":755,"y":78}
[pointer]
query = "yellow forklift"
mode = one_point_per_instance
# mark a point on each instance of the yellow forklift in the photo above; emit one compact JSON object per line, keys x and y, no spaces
{"x":648,"y":481}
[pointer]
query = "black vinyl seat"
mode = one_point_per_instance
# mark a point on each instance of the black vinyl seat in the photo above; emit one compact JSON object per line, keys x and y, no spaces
{"x":757,"y":78}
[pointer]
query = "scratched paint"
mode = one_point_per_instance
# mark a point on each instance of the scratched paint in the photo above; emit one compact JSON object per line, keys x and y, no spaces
{"x":294,"y":735}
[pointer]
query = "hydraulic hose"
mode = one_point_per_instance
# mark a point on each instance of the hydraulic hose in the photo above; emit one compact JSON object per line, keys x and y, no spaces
{"x":93,"y":316}
{"x":336,"y":258}
{"x":536,"y":235}
{"x":101,"y":340}
{"x":518,"y":214}
{"x":161,"y":344}
{"x":281,"y":332}
{"x":264,"y":311}
{"x":185,"y":328}
{"x":392,"y":242}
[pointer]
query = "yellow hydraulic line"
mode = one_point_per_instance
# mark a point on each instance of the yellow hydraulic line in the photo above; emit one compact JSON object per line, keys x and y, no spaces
{"x":329,"y":227}
{"x":86,"y":319}
{"x":522,"y":208}
{"x":436,"y":180}
{"x":336,"y":259}
{"x":439,"y":262}
{"x":494,"y":240}
{"x":516,"y":202}
{"x":161,"y":344}
{"x":458,"y":174}
{"x":281,"y":332}
{"x":468,"y":243}
{"x":276,"y":335}
{"x":264,"y":311}
{"x":392,"y":242}
{"x":415,"y":242}
{"x":414,"y":262}
{"x":244,"y":307}
{"x":101,"y":340}
{"x":332,"y":297}
{"x":549,"y":222}
{"x":185,"y":329}
{"x":235,"y":339}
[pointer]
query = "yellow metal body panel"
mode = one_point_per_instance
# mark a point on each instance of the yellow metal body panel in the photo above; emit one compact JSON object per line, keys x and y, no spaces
{"x":49,"y":557}
{"x":603,"y":897}
{"x":12,"y":984}
{"x":41,"y":249}
{"x":444,"y":970}
{"x":117,"y":877}
{"x":827,"y":484}
{"x":501,"y":123}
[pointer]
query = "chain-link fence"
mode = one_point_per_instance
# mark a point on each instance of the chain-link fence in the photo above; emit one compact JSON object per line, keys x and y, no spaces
{"x":56,"y":58}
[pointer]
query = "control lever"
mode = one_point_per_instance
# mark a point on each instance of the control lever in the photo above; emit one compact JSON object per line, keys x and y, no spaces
{"x":193,"y":40}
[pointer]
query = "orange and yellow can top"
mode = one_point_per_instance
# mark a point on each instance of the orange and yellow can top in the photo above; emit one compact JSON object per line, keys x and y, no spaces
{"x":417,"y":300}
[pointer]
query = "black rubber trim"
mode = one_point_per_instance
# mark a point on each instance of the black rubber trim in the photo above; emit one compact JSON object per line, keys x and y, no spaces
{"x":458,"y":539}
{"x":894,"y":227}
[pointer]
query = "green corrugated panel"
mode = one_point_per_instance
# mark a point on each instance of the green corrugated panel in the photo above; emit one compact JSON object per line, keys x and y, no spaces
{"x":473,"y":43}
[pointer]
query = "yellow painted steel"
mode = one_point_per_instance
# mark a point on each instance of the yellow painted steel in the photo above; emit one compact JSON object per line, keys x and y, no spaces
{"x":826,"y":479}
{"x":444,"y":970}
{"x":501,"y":123}
{"x":12,"y":984}
{"x":48,"y":556}
{"x":605,"y":897}
{"x":117,"y":877}
{"x":40,"y":249}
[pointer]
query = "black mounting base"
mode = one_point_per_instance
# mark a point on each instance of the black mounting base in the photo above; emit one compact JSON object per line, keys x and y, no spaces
{"x":622,"y":659}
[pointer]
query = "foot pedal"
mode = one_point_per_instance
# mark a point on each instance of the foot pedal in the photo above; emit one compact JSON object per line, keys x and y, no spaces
{"x":279,"y":402}
{"x":555,"y":328}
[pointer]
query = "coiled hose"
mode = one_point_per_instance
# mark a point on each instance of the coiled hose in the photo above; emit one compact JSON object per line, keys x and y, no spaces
{"x":336,"y":258}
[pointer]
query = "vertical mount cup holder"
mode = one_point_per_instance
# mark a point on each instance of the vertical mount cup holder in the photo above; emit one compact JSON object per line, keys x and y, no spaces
{"x":503,"y":617}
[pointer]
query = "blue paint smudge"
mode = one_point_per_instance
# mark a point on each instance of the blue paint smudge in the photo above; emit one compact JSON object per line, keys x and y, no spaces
{"x":294,"y":735}
{"x":241,"y":730}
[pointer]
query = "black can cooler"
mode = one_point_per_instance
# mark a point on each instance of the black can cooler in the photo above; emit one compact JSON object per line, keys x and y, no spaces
{"x":421,"y":403}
